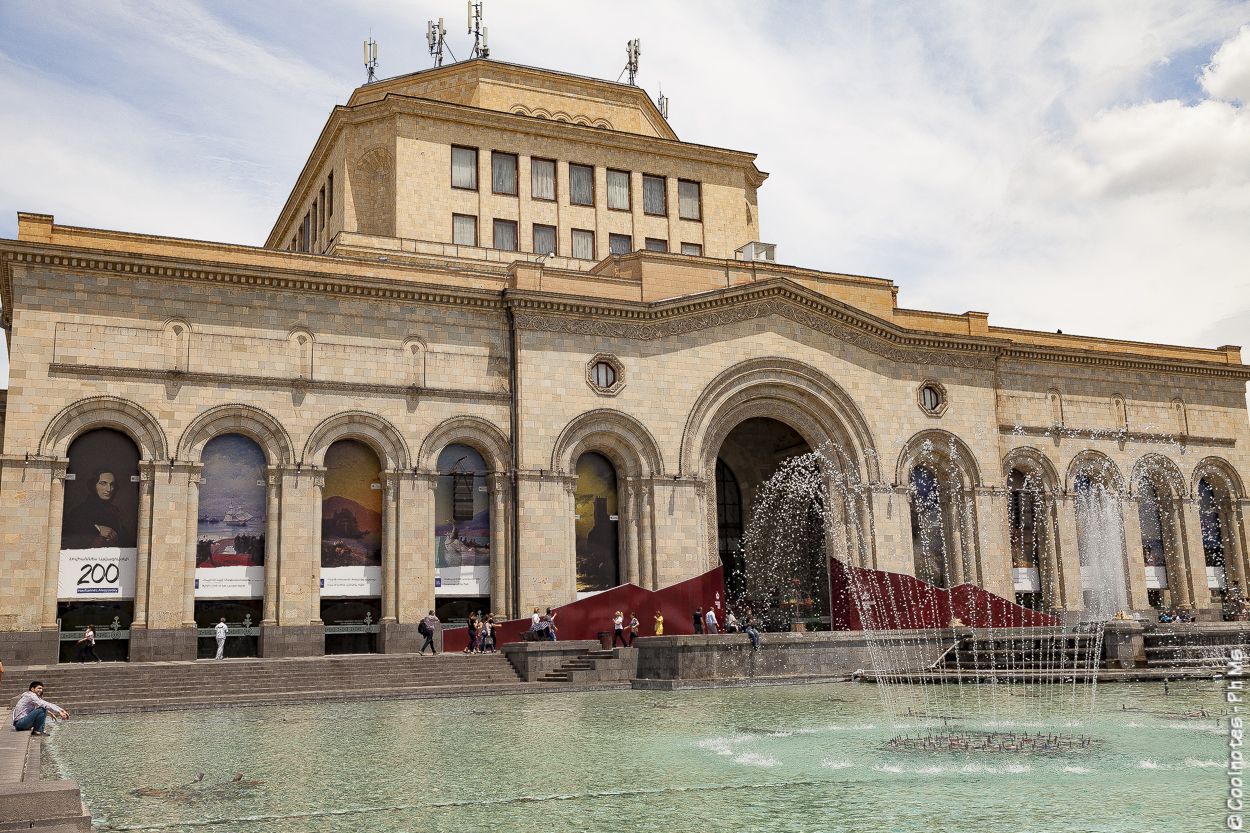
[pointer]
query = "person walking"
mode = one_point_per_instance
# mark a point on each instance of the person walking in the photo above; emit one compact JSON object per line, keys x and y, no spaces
{"x":488,"y":633}
{"x":659,"y":623}
{"x":551,"y":625}
{"x":633,"y":628}
{"x":221,"y":630}
{"x":427,"y":628}
{"x":471,"y":648}
{"x":618,"y":630}
{"x":88,"y":645}
{"x":698,"y":620}
{"x":710,"y":619}
{"x":752,"y":631}
{"x":731,"y":622}
{"x":32,"y":711}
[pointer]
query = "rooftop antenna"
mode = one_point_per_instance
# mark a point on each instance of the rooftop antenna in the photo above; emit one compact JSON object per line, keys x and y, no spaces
{"x":662,"y":103}
{"x":632,"y":51}
{"x":371,"y":59}
{"x":478,"y":31}
{"x":436,"y":35}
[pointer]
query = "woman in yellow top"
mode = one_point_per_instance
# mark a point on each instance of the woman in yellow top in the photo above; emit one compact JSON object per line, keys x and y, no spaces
{"x":659,"y":624}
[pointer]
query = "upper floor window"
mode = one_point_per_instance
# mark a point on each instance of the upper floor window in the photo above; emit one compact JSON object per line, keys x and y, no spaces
{"x":655,"y":245}
{"x":464,"y":230}
{"x":618,"y":190}
{"x":688,"y":200}
{"x":322,"y":218}
{"x":505,"y":235}
{"x":330,"y":195}
{"x":620,"y":244}
{"x":503,"y":173}
{"x":464,"y":168}
{"x":543,"y":179}
{"x":581,"y":185}
{"x":544,"y":240}
{"x":653,"y":198}
{"x":583,"y":244}
{"x":692,"y":249}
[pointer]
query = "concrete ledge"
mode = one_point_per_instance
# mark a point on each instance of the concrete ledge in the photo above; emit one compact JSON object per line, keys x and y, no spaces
{"x":162,"y":645}
{"x":684,"y":685}
{"x":292,"y":641}
{"x":42,"y":804}
{"x":30,"y":647}
{"x":534,"y":659}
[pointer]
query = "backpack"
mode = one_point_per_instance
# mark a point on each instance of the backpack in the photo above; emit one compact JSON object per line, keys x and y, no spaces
{"x":423,"y":628}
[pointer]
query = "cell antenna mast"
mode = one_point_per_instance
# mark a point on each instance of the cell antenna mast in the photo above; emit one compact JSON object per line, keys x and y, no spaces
{"x":478,"y":31}
{"x":371,"y":59}
{"x":632,"y":50}
{"x":436,"y":35}
{"x":662,"y":103}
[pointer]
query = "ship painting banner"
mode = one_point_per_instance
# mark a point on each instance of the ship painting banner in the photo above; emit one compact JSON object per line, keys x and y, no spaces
{"x":461,"y":524}
{"x":101,"y":518}
{"x":351,"y":522}
{"x":230,"y":535}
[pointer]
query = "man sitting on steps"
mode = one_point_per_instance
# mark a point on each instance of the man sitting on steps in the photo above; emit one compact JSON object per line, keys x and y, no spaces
{"x":32,"y":711}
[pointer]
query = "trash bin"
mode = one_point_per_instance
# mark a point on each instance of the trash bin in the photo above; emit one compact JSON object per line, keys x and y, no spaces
{"x":605,"y":640}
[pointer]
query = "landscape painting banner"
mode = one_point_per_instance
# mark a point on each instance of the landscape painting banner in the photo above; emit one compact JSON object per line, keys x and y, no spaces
{"x":101,"y":517}
{"x":596,"y":525}
{"x":462,"y":545}
{"x":230,"y":535}
{"x":351,"y":522}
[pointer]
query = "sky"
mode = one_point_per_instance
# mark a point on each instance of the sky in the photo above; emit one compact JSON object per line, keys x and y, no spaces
{"x":1082,"y":166}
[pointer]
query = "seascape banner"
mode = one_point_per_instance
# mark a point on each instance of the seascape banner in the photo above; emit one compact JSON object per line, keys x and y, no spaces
{"x":351,"y":522}
{"x":462,"y":546}
{"x":230,"y":534}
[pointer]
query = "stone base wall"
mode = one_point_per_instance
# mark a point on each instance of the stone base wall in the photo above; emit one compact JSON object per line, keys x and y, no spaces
{"x":292,"y":641}
{"x":403,"y":638}
{"x":534,"y":659}
{"x":163,"y":645}
{"x":30,"y":647}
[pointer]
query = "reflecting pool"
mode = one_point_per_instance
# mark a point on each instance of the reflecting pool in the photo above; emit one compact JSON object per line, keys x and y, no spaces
{"x":779,"y":758}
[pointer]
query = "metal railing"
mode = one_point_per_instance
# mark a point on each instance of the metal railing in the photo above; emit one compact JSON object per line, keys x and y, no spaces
{"x":365,"y":625}
{"x":112,"y":631}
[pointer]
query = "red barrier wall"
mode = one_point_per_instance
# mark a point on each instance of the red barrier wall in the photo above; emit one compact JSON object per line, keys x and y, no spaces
{"x":584,"y":619}
{"x":866,"y":599}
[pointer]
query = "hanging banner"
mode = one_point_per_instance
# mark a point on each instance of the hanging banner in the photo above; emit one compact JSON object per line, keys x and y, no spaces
{"x":462,"y":545}
{"x":351,"y":522}
{"x":96,"y":574}
{"x":230,"y":534}
{"x":350,"y":581}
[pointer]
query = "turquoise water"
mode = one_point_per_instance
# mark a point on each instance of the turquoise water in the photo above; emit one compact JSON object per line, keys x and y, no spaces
{"x":781,"y":758}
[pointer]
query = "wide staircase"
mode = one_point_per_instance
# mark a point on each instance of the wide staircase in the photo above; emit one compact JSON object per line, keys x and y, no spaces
{"x":114,"y":687}
{"x":614,"y":665}
{"x":1049,"y":650}
{"x":1199,"y":648}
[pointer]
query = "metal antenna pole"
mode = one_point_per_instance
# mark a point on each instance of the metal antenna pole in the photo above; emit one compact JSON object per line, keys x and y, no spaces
{"x":371,"y":59}
{"x":478,"y":31}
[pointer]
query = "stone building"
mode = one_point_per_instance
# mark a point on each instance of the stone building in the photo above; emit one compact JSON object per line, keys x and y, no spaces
{"x":509,"y":341}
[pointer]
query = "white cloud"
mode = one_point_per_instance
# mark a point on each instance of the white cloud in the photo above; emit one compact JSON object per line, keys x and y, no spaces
{"x":1228,"y":76}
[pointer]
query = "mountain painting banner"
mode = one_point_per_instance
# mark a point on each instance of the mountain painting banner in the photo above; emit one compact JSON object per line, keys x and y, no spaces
{"x":351,"y":522}
{"x":230,"y":533}
{"x":462,"y":545}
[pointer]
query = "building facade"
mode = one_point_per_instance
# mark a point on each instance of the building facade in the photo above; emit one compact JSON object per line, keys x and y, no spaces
{"x":511,"y":341}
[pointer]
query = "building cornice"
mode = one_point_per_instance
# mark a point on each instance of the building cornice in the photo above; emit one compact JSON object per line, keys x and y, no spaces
{"x":1123,"y":436}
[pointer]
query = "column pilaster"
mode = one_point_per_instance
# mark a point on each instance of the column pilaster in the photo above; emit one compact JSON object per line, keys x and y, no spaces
{"x":143,"y":546}
{"x":499,"y":595}
{"x":52,"y":556}
{"x":273,"y":546}
{"x":189,"y":552}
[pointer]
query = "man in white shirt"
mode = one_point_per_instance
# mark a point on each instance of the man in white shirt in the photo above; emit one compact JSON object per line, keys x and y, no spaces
{"x":32,"y":711}
{"x":221,"y":630}
{"x":710,"y":619}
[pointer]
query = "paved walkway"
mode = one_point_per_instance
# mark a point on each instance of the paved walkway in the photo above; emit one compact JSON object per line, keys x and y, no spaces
{"x":13,"y":746}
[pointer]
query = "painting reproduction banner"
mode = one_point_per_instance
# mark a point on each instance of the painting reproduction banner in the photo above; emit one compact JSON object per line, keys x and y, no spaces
{"x":97,"y":574}
{"x":230,"y":533}
{"x":462,"y":546}
{"x":351,"y":522}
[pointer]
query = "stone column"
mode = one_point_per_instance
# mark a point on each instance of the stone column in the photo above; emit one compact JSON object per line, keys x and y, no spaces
{"x":1196,"y":558}
{"x":192,"y":536}
{"x":994,"y":540}
{"x":836,"y":536}
{"x":630,"y":530}
{"x":1050,"y":569}
{"x":1234,"y":559}
{"x":1134,"y":564}
{"x":954,"y":543}
{"x":867,"y":538}
{"x":273,"y":492}
{"x":570,"y":594}
{"x":499,"y":548}
{"x":52,"y":555}
{"x":1069,"y":553}
{"x":143,"y":546}
{"x":1172,"y":516}
{"x":646,"y":547}
{"x":318,"y":483}
{"x":390,"y":577}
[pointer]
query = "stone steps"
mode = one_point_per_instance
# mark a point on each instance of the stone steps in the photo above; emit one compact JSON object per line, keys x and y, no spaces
{"x":596,"y":666}
{"x":210,"y":683}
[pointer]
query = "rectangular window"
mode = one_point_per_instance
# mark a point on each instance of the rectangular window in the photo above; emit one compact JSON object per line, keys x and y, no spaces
{"x":583,"y":244}
{"x":330,"y":194}
{"x":544,"y":240}
{"x":464,"y":168}
{"x":620,"y":244}
{"x":503,"y":173}
{"x":542,"y":179}
{"x":688,"y":207}
{"x":654,"y":245}
{"x":304,"y":232}
{"x":618,"y":190}
{"x":692,"y":249}
{"x":653,"y":199}
{"x":315,"y":230}
{"x":323,"y":210}
{"x":464,"y":229}
{"x":505,"y":235}
{"x":581,"y":185}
